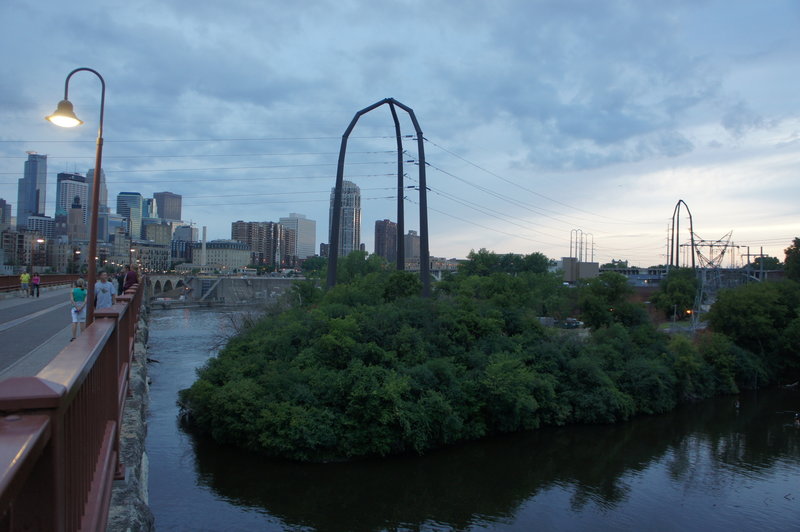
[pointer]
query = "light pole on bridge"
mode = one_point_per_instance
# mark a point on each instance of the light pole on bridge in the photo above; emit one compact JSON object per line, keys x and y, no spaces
{"x":64,"y":116}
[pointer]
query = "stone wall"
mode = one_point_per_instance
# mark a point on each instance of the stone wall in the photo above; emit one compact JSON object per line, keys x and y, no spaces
{"x":129,"y":511}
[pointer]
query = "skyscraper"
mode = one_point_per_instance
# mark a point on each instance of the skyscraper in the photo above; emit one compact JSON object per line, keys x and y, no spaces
{"x":103,"y":199}
{"x":305,"y":235}
{"x":68,"y":186}
{"x":411,"y":246}
{"x":265,"y":239}
{"x":77,"y":229}
{"x":149,"y":208}
{"x":169,"y":205}
{"x":129,"y":205}
{"x":32,"y":188}
{"x":5,"y":214}
{"x":349,"y":219}
{"x":103,"y":213}
{"x":386,"y":239}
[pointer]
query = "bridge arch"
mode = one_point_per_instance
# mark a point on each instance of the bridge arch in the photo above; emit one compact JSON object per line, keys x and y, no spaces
{"x":335,"y":225}
{"x":157,"y":287}
{"x":167,"y":285}
{"x":675,"y":242}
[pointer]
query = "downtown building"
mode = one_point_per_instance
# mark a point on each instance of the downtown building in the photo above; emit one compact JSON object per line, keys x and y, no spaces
{"x":104,"y":214}
{"x":349,"y":219}
{"x":5,"y":215}
{"x":304,"y":243}
{"x":68,"y":187}
{"x":169,"y":205}
{"x":130,"y":205}
{"x":386,"y":240}
{"x":266,"y":240}
{"x":71,"y":190}
{"x":31,"y":189}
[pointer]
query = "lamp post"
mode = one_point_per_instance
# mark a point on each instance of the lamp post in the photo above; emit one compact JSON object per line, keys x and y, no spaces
{"x":38,"y":260}
{"x":64,"y":116}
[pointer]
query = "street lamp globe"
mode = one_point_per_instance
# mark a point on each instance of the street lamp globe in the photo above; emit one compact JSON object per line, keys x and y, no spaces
{"x":64,"y":115}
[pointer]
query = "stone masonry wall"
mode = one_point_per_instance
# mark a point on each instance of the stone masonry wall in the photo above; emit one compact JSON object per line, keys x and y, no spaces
{"x":129,"y":511}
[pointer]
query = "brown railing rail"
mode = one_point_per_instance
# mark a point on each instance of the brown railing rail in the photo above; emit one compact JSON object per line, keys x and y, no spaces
{"x":59,"y":430}
{"x":9,"y":283}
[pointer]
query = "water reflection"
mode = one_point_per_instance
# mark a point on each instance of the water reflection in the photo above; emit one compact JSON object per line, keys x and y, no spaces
{"x":715,"y":464}
{"x":490,"y":480}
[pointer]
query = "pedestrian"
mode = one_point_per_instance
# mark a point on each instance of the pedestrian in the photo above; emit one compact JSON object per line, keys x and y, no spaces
{"x":130,"y":277}
{"x":35,"y":282}
{"x":121,"y":280}
{"x":78,"y":298}
{"x":24,"y":281}
{"x":104,"y":293}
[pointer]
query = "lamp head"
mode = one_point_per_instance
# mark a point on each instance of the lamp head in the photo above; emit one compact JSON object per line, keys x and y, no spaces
{"x":64,"y":116}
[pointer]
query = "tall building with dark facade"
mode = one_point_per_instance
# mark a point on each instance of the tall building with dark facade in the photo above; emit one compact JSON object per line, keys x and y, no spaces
{"x":349,"y":219}
{"x":411,"y":245}
{"x":386,"y":240}
{"x":5,"y":214}
{"x":265,"y":239}
{"x":169,"y":205}
{"x":32,"y":189}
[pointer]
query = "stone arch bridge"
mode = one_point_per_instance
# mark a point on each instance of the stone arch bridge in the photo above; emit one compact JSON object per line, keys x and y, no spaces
{"x":221,"y":289}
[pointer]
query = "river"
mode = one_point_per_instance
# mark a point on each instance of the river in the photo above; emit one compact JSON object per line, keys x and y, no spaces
{"x":709,"y":466}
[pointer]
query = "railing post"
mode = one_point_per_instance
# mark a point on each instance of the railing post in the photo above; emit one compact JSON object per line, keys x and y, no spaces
{"x":42,"y":501}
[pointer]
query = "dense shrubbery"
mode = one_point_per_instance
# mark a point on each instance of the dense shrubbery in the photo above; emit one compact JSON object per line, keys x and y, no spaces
{"x":370,"y":368}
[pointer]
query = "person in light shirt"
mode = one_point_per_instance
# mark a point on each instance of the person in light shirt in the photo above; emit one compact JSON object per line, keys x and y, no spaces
{"x":104,"y":292}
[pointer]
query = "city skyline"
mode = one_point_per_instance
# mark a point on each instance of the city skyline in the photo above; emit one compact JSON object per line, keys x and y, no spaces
{"x":539,"y":118}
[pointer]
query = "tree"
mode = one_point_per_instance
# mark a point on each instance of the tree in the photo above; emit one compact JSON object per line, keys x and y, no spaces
{"x":314,"y":266}
{"x":481,"y":262}
{"x":792,"y":263}
{"x":677,"y":292}
{"x":768,"y":263}
{"x":601,"y":299}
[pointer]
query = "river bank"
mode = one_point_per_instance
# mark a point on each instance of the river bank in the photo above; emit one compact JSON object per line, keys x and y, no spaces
{"x":130,"y":510}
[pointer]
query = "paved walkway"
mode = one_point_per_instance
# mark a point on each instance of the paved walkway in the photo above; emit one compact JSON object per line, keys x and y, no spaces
{"x":33,"y":331}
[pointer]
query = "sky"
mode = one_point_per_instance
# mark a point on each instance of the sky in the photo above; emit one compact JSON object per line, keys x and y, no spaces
{"x":545,"y":123}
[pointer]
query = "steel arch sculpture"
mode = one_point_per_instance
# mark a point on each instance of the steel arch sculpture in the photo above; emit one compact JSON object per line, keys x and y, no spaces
{"x":675,"y":245}
{"x":424,"y":259}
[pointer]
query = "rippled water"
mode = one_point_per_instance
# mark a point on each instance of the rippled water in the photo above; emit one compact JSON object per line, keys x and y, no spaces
{"x":709,"y":466}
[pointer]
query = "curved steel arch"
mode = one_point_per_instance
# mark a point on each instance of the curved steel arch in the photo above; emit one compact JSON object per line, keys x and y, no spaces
{"x":424,"y":259}
{"x":675,"y":245}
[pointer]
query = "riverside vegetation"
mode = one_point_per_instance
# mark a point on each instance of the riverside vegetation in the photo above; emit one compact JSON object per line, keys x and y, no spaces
{"x":370,"y":368}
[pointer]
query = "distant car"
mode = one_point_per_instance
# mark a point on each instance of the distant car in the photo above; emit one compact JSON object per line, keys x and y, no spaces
{"x":572,"y":323}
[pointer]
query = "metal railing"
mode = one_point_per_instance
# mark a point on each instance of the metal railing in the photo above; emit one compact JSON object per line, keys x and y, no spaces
{"x":60,"y":430}
{"x":9,"y":283}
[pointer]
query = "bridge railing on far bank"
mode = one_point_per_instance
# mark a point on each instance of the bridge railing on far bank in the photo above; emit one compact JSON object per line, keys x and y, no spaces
{"x":59,"y":430}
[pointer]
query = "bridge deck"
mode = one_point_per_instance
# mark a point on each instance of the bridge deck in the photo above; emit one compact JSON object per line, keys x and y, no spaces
{"x":33,"y":331}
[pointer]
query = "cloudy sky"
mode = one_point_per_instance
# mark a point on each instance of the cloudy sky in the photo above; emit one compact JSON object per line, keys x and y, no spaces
{"x":541,"y":118}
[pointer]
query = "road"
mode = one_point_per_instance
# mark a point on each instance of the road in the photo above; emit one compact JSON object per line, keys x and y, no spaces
{"x":33,"y":331}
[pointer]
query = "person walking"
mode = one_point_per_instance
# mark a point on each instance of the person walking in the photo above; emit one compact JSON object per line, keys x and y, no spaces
{"x":121,"y":280}
{"x":104,"y":293}
{"x":24,"y":281}
{"x":78,"y":299}
{"x":35,"y":282}
{"x":130,"y":277}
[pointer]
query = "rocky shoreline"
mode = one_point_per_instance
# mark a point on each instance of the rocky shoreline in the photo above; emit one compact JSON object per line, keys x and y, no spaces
{"x":129,"y":510}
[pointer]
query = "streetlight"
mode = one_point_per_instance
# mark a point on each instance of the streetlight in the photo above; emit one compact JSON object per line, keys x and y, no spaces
{"x":38,"y":259}
{"x":64,"y":116}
